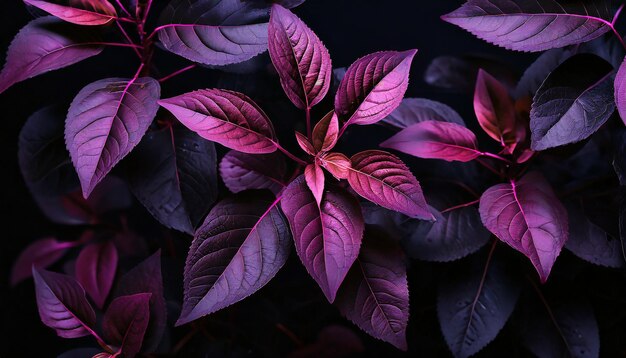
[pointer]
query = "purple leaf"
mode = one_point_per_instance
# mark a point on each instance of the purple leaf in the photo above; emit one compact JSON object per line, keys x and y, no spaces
{"x":314,"y":176}
{"x":416,"y":110}
{"x":214,"y":32}
{"x":384,"y":179}
{"x":40,"y":254}
{"x":474,"y":303}
{"x":326,"y":133}
{"x":572,"y":103}
{"x":495,"y":110}
{"x":373,"y":87}
{"x":43,"y":45}
{"x":105,"y":122}
{"x":337,"y":164}
{"x":95,"y":270}
{"x":535,"y":25}
{"x":302,"y":61}
{"x":80,"y":12}
{"x":620,"y":91}
{"x":226,"y":117}
{"x":375,"y":294}
{"x":126,"y":321}
{"x":327,"y":236}
{"x":240,"y":247}
{"x":146,"y":278}
{"x":436,"y":140}
{"x":62,"y":304}
{"x":305,"y":144}
{"x":527,"y":215}
{"x":173,"y":173}
{"x":241,"y":171}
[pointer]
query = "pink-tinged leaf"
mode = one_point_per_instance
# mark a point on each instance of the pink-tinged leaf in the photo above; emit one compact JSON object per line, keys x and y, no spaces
{"x":44,"y":45}
{"x":226,"y":117}
{"x":415,"y":110}
{"x":326,"y":133}
{"x":62,"y":304}
{"x":327,"y":236}
{"x":620,"y":91}
{"x":242,"y":244}
{"x":106,"y":120}
{"x":314,"y":176}
{"x":95,"y":270}
{"x":375,"y":294}
{"x":495,"y":110}
{"x":373,"y":87}
{"x":535,"y":25}
{"x":80,"y":12}
{"x":241,"y":171}
{"x":436,"y":140}
{"x":527,"y":215}
{"x":126,"y":321}
{"x":337,"y":164}
{"x":146,"y":278}
{"x":40,"y":254}
{"x":305,"y":144}
{"x":214,"y":32}
{"x":300,"y":58}
{"x":384,"y":179}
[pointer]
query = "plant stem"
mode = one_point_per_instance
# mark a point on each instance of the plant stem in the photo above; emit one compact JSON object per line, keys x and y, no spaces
{"x":176,"y":73}
{"x":473,"y":202}
{"x":115,"y":44}
{"x":491,"y":169}
{"x":309,"y":133}
{"x":127,"y":37}
{"x":549,"y":310}
{"x":119,"y":3}
{"x":291,"y":156}
{"x":612,"y":25}
{"x":494,"y":156}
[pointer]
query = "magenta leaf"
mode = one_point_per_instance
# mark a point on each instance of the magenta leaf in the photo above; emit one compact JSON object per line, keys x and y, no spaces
{"x":302,"y":61}
{"x":126,"y":321}
{"x":314,"y":176}
{"x":416,"y":110}
{"x":146,"y":278}
{"x":95,"y":270}
{"x":337,"y":164}
{"x":375,"y":294}
{"x":495,"y":110}
{"x":327,"y":236}
{"x":239,"y":248}
{"x":106,"y":120}
{"x":43,"y":45}
{"x":535,"y":25}
{"x":62,"y":304}
{"x":226,"y":117}
{"x":620,"y":91}
{"x":527,"y":215}
{"x":326,"y":133}
{"x":241,"y":171}
{"x":40,"y":254}
{"x":80,"y":12}
{"x":173,"y":173}
{"x":373,"y":87}
{"x":474,"y":302}
{"x":214,"y":32}
{"x":384,"y":179}
{"x":572,"y":103}
{"x":436,"y":140}
{"x":305,"y":144}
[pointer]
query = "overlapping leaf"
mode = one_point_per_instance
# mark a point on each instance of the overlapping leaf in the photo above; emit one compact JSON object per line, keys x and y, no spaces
{"x":125,"y":322}
{"x":80,"y":12}
{"x":415,"y":110}
{"x":495,"y":110}
{"x":241,"y":171}
{"x":326,"y":133}
{"x":95,"y":270}
{"x":40,"y":254}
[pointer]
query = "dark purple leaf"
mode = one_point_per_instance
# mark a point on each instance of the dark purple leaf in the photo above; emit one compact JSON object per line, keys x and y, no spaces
{"x":458,"y":73}
{"x":240,"y":247}
{"x":373,"y":87}
{"x":416,"y":110}
{"x":40,"y":254}
{"x":537,"y":72}
{"x":214,"y":32}
{"x":300,"y":58}
{"x":126,"y":321}
{"x":289,"y":4}
{"x":535,"y":25}
{"x":337,"y":164}
{"x":327,"y":236}
{"x":620,"y":91}
{"x":173,"y":173}
{"x":436,"y":140}
{"x":527,"y":215}
{"x":105,"y":122}
{"x":384,"y":179}
{"x":62,"y":304}
{"x":241,"y":171}
{"x":146,"y":278}
{"x":80,"y":12}
{"x":81,"y":353}
{"x":226,"y":117}
{"x":314,"y":176}
{"x":326,"y":133}
{"x":474,"y":303}
{"x":95,"y":270}
{"x":375,"y":294}
{"x":46,"y":44}
{"x":572,"y":103}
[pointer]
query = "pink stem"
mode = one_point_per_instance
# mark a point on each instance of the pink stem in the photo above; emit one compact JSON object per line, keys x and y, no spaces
{"x":473,"y":202}
{"x":176,"y":73}
{"x":127,"y":37}
{"x":124,"y":19}
{"x":119,"y":3}
{"x":116,"y":44}
{"x":494,"y":156}
{"x":491,"y":169}
{"x":288,"y":154}
{"x":146,"y":11}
